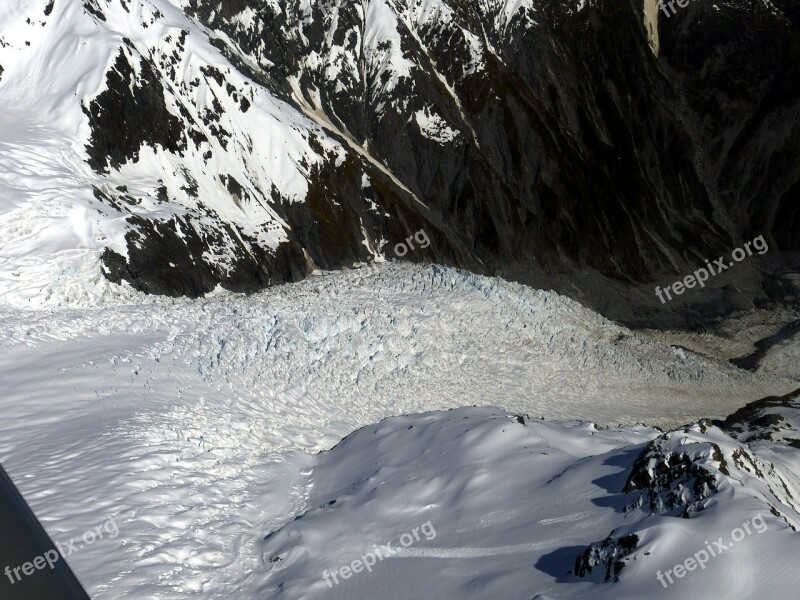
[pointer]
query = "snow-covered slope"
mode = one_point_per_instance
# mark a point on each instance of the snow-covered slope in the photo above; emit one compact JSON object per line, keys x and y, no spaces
{"x":190,"y":423}
{"x":189,"y":147}
{"x":601,"y":513}
{"x":126,"y":131}
{"x":178,"y":145}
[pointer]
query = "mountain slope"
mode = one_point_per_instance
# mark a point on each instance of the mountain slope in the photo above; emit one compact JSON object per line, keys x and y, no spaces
{"x":607,"y":513}
{"x":244,"y":143}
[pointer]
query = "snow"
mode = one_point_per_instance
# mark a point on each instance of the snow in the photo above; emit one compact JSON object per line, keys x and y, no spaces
{"x":434,"y":126}
{"x":48,"y":211}
{"x":507,"y":14}
{"x":386,"y":64}
{"x":194,"y":425}
{"x":449,"y":470}
{"x":49,"y":220}
{"x":432,"y":19}
{"x":651,"y":15}
{"x":211,"y":431}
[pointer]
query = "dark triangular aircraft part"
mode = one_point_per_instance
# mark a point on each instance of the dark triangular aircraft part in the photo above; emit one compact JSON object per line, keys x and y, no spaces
{"x":30,"y":566}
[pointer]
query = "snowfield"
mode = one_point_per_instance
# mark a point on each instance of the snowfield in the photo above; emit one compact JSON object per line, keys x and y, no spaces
{"x":195,"y":426}
{"x":473,"y":437}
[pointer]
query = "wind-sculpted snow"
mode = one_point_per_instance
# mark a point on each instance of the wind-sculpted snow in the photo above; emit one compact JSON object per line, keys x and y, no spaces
{"x":565,"y":485}
{"x":189,"y":421}
{"x":195,"y":147}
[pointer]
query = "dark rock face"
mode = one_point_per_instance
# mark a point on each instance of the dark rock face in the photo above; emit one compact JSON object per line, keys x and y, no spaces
{"x":610,"y":555}
{"x":131,"y":113}
{"x":673,"y":482}
{"x":738,"y":66}
{"x":771,"y":419}
{"x":154,"y":267}
{"x":554,"y":139}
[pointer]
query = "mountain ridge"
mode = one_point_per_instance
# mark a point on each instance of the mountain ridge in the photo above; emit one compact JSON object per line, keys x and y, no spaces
{"x":249,"y":142}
